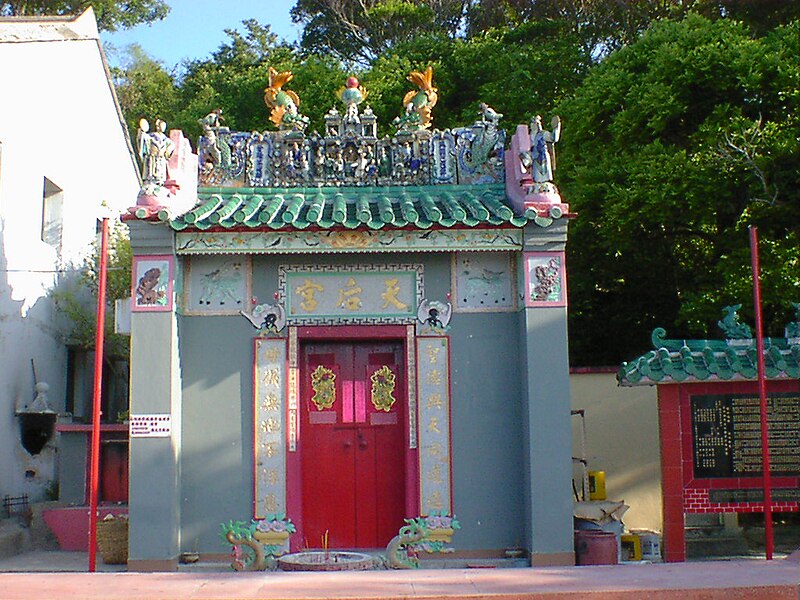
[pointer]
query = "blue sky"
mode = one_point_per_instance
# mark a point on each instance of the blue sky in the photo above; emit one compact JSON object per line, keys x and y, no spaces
{"x":194,"y":28}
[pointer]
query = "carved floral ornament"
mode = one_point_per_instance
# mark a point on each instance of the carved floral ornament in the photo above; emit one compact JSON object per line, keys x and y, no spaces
{"x":383,"y":384}
{"x":323,"y":382}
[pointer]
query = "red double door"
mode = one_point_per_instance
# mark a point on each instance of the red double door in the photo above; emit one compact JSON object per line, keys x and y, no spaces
{"x":351,"y":444}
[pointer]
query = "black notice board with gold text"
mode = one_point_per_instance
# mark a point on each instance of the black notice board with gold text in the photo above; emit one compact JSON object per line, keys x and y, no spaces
{"x":726,"y":432}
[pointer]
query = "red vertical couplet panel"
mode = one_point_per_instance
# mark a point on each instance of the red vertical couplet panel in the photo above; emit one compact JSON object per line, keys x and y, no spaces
{"x":351,"y":444}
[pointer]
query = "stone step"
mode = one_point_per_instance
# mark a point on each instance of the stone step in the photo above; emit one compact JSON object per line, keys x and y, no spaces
{"x":717,"y":544}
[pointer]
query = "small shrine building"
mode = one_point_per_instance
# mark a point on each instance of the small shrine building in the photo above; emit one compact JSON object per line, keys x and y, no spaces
{"x":709,"y":423}
{"x":349,"y":331}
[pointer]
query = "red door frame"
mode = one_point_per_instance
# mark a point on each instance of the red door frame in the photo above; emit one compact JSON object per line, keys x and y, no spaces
{"x":293,"y":459}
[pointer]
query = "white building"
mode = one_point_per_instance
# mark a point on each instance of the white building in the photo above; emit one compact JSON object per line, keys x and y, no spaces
{"x":64,"y":150}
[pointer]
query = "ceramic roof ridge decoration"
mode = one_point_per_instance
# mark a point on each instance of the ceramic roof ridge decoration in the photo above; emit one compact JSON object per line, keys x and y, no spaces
{"x":349,"y":151}
{"x":676,"y":361}
{"x":284,"y":103}
{"x":294,"y":179}
{"x":732,"y":327}
{"x":418,"y":103}
{"x":530,"y":162}
{"x":168,"y":168}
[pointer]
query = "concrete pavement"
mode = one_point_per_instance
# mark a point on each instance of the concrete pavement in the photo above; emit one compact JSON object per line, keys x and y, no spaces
{"x":712,"y":580}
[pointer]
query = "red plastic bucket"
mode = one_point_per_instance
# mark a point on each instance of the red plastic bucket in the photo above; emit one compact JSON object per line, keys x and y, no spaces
{"x":595,"y":548}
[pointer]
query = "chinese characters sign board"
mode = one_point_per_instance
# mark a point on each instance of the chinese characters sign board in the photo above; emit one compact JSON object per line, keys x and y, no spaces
{"x":378,"y":294}
{"x":727,"y":435}
{"x":270,"y":452}
{"x":150,"y":426}
{"x":433,"y":381}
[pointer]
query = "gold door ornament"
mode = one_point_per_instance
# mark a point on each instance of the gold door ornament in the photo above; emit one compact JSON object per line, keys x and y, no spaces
{"x":383,"y":382}
{"x":323,"y":383}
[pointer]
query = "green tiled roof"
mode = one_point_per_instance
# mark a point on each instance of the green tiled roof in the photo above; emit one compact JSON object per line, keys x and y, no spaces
{"x":676,"y":361}
{"x":351,"y":208}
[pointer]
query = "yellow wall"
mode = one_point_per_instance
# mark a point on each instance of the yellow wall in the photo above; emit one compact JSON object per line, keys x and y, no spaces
{"x":622,"y":440}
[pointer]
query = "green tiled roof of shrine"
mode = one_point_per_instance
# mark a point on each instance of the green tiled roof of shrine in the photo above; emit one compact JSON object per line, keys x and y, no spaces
{"x":418,"y":207}
{"x":677,"y":361}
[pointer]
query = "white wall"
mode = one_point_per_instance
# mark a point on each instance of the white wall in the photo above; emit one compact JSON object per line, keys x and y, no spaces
{"x":622,"y":440}
{"x":58,"y":119}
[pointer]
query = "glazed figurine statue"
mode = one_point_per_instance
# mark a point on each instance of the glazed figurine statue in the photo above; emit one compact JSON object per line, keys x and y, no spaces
{"x":418,"y":103}
{"x":435,"y":315}
{"x":210,"y":124}
{"x":352,"y":94}
{"x":540,"y":160}
{"x":284,"y":103}
{"x":732,"y":327}
{"x":155,"y":149}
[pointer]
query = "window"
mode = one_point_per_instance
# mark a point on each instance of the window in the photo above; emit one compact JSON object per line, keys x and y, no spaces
{"x":80,"y":386}
{"x":52,"y":214}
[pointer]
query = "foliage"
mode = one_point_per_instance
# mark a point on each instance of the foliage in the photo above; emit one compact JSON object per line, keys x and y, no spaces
{"x":601,"y":25}
{"x":111,"y":14}
{"x":664,"y":201}
{"x":356,"y":33}
{"x":679,"y":132}
{"x":144,"y":88}
{"x":606,"y":25}
{"x":761,"y":16}
{"x":77,"y":300}
{"x":518,"y":71}
{"x":235,"y":77}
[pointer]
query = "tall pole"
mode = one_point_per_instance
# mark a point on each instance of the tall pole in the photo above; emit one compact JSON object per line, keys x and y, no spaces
{"x":769,"y":541}
{"x":94,"y":470}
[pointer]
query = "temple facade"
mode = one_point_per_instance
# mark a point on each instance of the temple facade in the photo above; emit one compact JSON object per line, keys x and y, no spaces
{"x":346,"y":331}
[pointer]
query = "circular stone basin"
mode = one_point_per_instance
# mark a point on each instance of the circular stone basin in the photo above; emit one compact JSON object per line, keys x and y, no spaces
{"x":326,"y":561}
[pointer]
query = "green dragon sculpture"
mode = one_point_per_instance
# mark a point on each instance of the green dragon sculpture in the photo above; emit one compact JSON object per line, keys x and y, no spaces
{"x":427,"y":534}
{"x":258,"y":543}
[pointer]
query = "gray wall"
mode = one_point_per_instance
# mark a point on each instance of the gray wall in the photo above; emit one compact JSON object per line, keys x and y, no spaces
{"x":488,"y":475}
{"x":217,"y":432}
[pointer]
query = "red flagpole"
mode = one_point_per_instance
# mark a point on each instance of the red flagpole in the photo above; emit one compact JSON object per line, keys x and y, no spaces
{"x":769,"y":541}
{"x":94,"y":471}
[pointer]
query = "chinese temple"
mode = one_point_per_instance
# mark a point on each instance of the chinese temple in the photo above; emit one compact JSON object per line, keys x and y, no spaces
{"x":343,"y":331}
{"x":710,"y":423}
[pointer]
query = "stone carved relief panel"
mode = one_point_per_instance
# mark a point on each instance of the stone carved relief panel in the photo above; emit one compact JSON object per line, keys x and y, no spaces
{"x":216,"y":285}
{"x":484,"y":281}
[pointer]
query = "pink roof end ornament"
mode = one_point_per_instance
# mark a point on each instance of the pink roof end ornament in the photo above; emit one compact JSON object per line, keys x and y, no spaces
{"x":530,"y":163}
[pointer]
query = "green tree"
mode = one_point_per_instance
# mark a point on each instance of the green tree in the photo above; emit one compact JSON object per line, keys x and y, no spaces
{"x":601,"y":25}
{"x":518,"y":71}
{"x":605,"y":25}
{"x":235,"y":77}
{"x":76,"y":299}
{"x":144,"y":88}
{"x":356,"y":33}
{"x":671,"y":147}
{"x":111,"y":14}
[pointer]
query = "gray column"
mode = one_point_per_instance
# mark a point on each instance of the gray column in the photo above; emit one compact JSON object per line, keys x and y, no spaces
{"x":548,"y":451}
{"x":154,"y":492}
